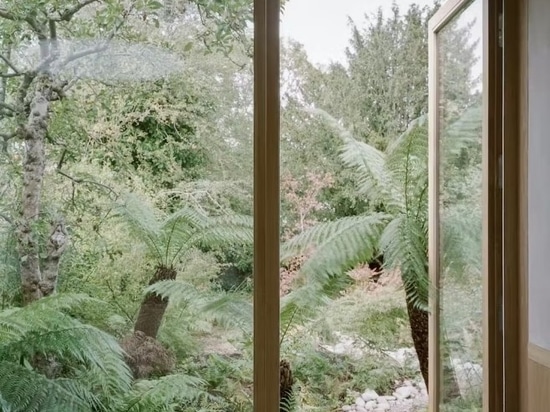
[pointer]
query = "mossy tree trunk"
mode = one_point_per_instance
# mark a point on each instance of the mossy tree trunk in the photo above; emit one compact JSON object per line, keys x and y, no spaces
{"x":153,"y":306}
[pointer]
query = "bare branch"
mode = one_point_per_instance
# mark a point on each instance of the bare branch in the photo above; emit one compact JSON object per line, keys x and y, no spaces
{"x":68,"y":14}
{"x":53,"y":30}
{"x":6,"y":218}
{"x":10,"y":64}
{"x":10,"y":75}
{"x":89,"y":182}
{"x":35,"y":26}
{"x":8,"y":107}
{"x":7,"y":15}
{"x":7,"y":136}
{"x":24,"y":88}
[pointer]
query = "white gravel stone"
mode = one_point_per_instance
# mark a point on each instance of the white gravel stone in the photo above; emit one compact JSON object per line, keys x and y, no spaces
{"x":369,"y":395}
{"x":360,"y":402}
{"x":404,"y":392}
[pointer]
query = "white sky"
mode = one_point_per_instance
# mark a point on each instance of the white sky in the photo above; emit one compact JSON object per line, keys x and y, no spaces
{"x":323,"y":29}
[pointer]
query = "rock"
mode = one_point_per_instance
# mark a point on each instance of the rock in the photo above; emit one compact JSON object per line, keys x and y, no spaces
{"x":346,"y":408}
{"x":360,"y":409}
{"x":370,"y":405}
{"x":403,"y":392}
{"x":360,"y":402}
{"x":387,"y":398}
{"x":369,"y":395}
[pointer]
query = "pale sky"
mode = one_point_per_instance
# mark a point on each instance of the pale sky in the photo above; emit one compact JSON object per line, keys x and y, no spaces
{"x":322,"y":25}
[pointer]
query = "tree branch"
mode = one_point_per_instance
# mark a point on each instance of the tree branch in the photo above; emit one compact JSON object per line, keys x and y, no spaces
{"x":68,"y":14}
{"x":89,"y":182}
{"x":23,"y":89}
{"x":93,"y":50}
{"x":10,"y":64}
{"x":6,"y":14}
{"x":35,"y":26}
{"x":6,"y":218}
{"x":8,"y":107}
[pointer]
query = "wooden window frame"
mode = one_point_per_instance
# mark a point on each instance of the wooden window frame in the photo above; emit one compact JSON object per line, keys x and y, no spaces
{"x":513,"y":206}
{"x":493,"y":342}
{"x":266,"y":205}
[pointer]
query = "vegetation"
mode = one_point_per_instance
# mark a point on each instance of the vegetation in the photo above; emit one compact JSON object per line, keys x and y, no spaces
{"x":126,"y":208}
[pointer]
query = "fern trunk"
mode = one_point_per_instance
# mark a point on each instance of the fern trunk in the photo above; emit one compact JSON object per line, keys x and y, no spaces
{"x":285,"y":386}
{"x":419,"y":321}
{"x":153,"y":306}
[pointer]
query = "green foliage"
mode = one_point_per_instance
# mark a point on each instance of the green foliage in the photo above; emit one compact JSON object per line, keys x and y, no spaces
{"x":167,"y":394}
{"x":52,"y":361}
{"x":170,"y":237}
{"x":396,"y":179}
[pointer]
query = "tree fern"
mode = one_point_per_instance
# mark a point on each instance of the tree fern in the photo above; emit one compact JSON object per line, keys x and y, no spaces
{"x":91,"y":370}
{"x":396,"y":179}
{"x":170,"y":237}
{"x":229,"y":309}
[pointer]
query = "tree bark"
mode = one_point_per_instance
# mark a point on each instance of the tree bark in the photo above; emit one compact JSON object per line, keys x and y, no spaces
{"x":285,"y":386}
{"x":34,"y":134}
{"x":418,"y":320}
{"x":153,"y":306}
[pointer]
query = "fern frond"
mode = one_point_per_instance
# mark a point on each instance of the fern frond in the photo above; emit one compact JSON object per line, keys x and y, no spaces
{"x":337,"y":245}
{"x":404,"y":245}
{"x":177,"y":291}
{"x":323,"y":233}
{"x":42,"y":328}
{"x":225,"y":229}
{"x":166,"y":393}
{"x":407,"y":163}
{"x":301,"y":306}
{"x":367,"y":161}
{"x":143,"y":220}
{"x":24,"y":390}
{"x":230,"y":310}
{"x":464,"y":131}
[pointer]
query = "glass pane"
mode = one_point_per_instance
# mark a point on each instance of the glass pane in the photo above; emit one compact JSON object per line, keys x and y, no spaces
{"x":354,"y":177}
{"x":460,"y":115}
{"x":126,"y":191}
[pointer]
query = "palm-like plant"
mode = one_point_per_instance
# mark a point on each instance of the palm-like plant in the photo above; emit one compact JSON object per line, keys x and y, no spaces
{"x":84,"y":369}
{"x":169,"y":239}
{"x":396,"y":182}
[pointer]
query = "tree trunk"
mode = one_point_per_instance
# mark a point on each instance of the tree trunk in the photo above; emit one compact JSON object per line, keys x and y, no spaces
{"x":153,"y":306}
{"x":35,"y":283}
{"x":418,"y":320}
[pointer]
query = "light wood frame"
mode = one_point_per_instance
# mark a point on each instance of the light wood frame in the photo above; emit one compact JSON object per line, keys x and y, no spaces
{"x":517,"y":59}
{"x":266,"y":205}
{"x":493,"y":393}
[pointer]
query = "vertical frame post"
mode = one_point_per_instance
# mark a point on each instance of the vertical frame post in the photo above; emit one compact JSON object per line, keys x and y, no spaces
{"x":493,"y":183}
{"x":515,"y":202}
{"x":266,"y":205}
{"x":434,"y":365}
{"x":493,"y":370}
